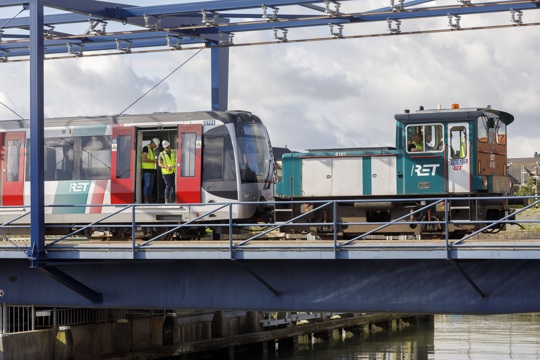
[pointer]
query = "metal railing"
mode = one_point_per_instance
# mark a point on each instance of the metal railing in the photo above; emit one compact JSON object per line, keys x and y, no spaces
{"x":199,"y":218}
{"x":21,"y":318}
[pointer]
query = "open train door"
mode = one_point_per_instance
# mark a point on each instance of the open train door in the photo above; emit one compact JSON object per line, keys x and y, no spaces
{"x":13,"y":168}
{"x":189,"y":164}
{"x":459,"y":167}
{"x":123,"y":165}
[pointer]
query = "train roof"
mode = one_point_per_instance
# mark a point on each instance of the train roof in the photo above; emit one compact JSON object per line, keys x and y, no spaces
{"x":128,"y":119}
{"x":442,"y":115}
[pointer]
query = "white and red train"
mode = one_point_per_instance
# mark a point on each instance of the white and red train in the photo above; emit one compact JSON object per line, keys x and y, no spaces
{"x":92,"y":168}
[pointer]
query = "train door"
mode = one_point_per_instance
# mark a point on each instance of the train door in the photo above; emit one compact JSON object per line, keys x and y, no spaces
{"x":459,"y":167}
{"x":13,"y":169}
{"x":189,"y":164}
{"x":123,"y":165}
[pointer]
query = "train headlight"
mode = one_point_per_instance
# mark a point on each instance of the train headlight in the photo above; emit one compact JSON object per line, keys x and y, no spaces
{"x":484,"y":182}
{"x":249,"y":196}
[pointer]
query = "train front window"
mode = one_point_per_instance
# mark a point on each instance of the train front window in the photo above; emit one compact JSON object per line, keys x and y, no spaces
{"x":491,"y":130}
{"x":500,"y":132}
{"x":254,"y":153}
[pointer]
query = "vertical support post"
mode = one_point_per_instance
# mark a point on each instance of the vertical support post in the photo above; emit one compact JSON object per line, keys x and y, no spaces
{"x":37,"y":215}
{"x":4,"y":319}
{"x":220,"y":77}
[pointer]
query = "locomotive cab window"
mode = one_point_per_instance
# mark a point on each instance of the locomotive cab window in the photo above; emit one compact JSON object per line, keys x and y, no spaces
{"x":425,"y":138}
{"x":491,"y":130}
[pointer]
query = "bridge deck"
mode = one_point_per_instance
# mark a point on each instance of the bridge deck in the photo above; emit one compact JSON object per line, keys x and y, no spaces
{"x":483,"y":248}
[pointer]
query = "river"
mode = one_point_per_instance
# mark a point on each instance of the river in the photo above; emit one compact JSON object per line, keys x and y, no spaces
{"x":449,"y":337}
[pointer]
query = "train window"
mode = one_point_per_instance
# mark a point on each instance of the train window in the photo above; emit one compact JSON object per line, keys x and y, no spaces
{"x":188,"y":155}
{"x":254,"y":153}
{"x":218,"y":155}
{"x":96,"y":157}
{"x":458,"y":142}
{"x":425,"y":138}
{"x":491,"y":130}
{"x":483,"y":129}
{"x":123,"y":157}
{"x":59,"y":159}
{"x":12,"y":160}
{"x":500,"y":132}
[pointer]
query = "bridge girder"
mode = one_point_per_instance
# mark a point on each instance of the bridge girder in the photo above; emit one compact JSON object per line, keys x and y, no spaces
{"x":430,"y":286}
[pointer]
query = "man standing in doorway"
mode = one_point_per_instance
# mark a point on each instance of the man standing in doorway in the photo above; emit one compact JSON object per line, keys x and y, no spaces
{"x":148,"y":165}
{"x":167,"y":163}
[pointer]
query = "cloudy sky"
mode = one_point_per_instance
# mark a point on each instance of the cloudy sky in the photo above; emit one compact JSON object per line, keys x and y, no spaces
{"x":326,"y":94}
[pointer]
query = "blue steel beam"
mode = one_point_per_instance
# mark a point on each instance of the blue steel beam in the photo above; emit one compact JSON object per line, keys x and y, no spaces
{"x":5,"y":3}
{"x":61,"y":46}
{"x":427,"y":286}
{"x":73,"y":284}
{"x":219,"y":78}
{"x":37,"y":191}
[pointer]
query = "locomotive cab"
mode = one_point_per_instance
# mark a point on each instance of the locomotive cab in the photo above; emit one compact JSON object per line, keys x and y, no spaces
{"x":461,"y":151}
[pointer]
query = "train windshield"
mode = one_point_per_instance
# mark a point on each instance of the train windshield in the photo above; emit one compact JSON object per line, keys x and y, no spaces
{"x":491,"y":130}
{"x":254,"y":152}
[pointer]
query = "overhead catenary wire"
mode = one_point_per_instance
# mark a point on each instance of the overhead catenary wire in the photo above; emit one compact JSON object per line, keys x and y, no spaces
{"x":10,"y":109}
{"x":161,"y":81}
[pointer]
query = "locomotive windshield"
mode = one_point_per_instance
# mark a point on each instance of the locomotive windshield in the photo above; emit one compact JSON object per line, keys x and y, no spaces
{"x":254,"y":153}
{"x":491,"y":130}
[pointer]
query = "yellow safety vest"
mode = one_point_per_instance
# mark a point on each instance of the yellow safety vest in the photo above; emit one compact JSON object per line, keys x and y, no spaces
{"x":463,"y":149}
{"x":169,"y":160}
{"x":149,"y":165}
{"x":418,"y":146}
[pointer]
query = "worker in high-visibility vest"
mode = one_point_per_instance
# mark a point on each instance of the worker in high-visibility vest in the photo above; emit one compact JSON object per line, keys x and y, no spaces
{"x":167,"y":163}
{"x":463,"y":147}
{"x":148,"y":165}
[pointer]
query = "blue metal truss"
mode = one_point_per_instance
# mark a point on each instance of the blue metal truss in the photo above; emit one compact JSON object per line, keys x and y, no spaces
{"x":207,"y":23}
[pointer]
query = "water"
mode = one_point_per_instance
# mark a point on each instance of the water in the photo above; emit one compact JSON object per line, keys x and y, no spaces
{"x":448,"y":337}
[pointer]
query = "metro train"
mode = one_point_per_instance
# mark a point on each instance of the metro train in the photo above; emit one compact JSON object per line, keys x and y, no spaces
{"x":92,"y":168}
{"x":455,"y":153}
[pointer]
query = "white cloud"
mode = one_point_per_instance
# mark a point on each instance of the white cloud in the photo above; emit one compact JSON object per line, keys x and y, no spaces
{"x":340,"y":93}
